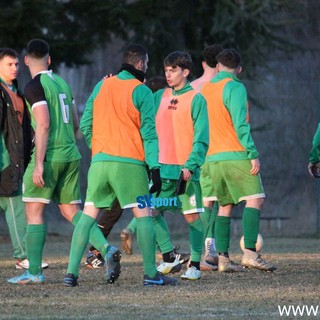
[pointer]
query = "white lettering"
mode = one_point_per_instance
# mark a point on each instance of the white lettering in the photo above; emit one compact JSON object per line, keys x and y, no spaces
{"x":298,"y":310}
{"x":64,"y":108}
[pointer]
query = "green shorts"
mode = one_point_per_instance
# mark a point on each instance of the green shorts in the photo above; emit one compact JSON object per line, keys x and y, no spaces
{"x":108,"y":180}
{"x":207,"y":186}
{"x":62,"y":183}
{"x":189,"y":202}
{"x":233,"y":182}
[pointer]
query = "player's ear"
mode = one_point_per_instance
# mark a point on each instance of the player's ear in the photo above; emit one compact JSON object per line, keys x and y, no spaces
{"x":186,"y":73}
{"x":49,"y":60}
{"x":139,"y":65}
{"x":26,"y":60}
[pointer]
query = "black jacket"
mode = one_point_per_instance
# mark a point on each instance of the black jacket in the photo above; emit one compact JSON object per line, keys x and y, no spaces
{"x":18,"y":141}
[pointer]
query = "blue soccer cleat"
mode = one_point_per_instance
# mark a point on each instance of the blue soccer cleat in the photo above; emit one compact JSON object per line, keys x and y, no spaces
{"x":158,"y":280}
{"x":112,"y":264}
{"x":70,"y":280}
{"x":27,"y":278}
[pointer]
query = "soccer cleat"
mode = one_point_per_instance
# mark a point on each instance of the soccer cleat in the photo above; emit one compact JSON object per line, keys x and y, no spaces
{"x":158,"y":280}
{"x":24,"y":264}
{"x":126,"y":241}
{"x":27,"y":278}
{"x":226,"y":265}
{"x":251,"y":259}
{"x":94,"y":260}
{"x":182,"y":257}
{"x":192,"y":273}
{"x":212,"y":259}
{"x":204,"y":266}
{"x":169,"y":267}
{"x":211,"y":255}
{"x":70,"y":280}
{"x":112,"y":264}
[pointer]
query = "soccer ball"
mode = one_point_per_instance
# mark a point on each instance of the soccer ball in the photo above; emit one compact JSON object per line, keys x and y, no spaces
{"x":259,"y":243}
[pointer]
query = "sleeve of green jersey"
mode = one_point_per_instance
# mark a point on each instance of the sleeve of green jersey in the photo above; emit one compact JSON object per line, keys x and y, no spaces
{"x":314,"y":155}
{"x":200,"y":145}
{"x":236,"y":100}
{"x":86,"y":120}
{"x":143,"y":101}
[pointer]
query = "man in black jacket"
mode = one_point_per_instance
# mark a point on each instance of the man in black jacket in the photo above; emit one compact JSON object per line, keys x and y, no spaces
{"x":15,"y":149}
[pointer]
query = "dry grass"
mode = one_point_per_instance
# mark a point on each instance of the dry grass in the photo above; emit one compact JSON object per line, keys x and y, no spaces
{"x":249,"y":295}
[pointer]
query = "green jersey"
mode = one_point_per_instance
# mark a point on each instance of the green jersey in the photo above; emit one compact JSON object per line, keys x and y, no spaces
{"x":50,"y":89}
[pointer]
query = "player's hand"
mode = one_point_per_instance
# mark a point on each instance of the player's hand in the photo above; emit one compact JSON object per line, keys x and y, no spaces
{"x":314,"y":169}
{"x":187,"y":174}
{"x":255,"y":167}
{"x":156,"y":182}
{"x":37,"y":176}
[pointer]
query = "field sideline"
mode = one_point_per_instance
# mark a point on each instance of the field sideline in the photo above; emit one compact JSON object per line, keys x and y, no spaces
{"x":250,"y":295}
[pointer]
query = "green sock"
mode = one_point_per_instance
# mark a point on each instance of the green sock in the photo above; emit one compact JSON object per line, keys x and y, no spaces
{"x":147,"y":243}
{"x":250,"y":225}
{"x":222,"y":231}
{"x":205,"y":219}
{"x":96,"y":237}
{"x":162,"y":234}
{"x":196,"y":240}
{"x":35,"y":239}
{"x":79,"y":242}
{"x":132,"y":226}
{"x":76,"y":218}
{"x":213,"y":216}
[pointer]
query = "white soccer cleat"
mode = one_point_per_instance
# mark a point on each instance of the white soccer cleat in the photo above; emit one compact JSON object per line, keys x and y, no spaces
{"x":169,"y":267}
{"x":192,"y":273}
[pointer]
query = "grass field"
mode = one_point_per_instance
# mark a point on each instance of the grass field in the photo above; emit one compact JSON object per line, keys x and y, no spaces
{"x":250,"y":295}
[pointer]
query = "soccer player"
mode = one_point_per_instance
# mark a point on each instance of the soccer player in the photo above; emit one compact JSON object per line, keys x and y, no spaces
{"x":210,"y":258}
{"x":233,"y":163}
{"x":108,"y":218}
{"x":209,"y":63}
{"x":119,"y":127}
{"x":53,"y":172}
{"x":183,"y":131}
{"x":15,"y":148}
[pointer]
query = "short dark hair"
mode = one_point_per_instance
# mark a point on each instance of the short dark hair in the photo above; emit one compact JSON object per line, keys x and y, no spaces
{"x":37,"y":48}
{"x":209,"y":54}
{"x":230,"y":58}
{"x":156,"y":82}
{"x":8,"y":52}
{"x":180,"y":59}
{"x":134,"y":53}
